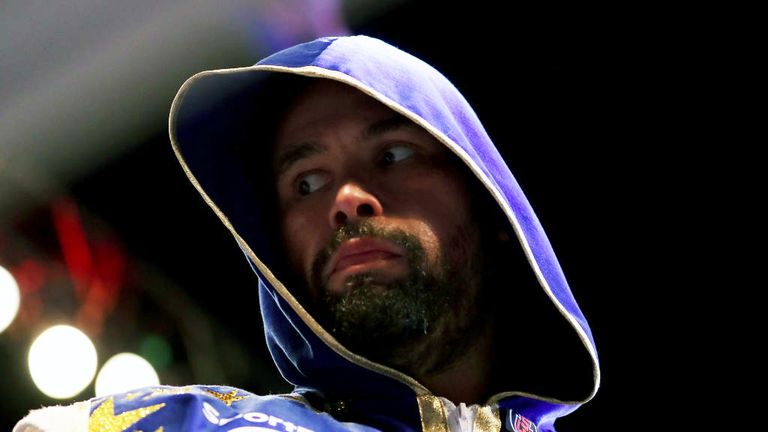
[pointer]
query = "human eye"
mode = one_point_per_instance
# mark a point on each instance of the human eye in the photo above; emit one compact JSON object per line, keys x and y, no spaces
{"x":310,"y":182}
{"x":395,"y":154}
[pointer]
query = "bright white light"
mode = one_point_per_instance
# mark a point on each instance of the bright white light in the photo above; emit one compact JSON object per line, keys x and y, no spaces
{"x":9,"y":298}
{"x":62,"y":361}
{"x":123,"y":372}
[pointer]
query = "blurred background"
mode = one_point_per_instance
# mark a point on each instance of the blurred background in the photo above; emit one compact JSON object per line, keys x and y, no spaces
{"x":101,"y":231}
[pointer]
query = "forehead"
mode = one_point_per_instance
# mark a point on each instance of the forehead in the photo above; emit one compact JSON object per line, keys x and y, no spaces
{"x":331,"y":94}
{"x":326,"y":103}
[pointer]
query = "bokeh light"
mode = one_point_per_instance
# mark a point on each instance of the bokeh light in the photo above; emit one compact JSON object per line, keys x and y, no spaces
{"x":62,"y":361}
{"x":9,"y":298}
{"x":156,"y":350}
{"x":123,"y":372}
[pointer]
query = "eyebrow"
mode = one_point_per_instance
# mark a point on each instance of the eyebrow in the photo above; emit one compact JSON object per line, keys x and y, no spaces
{"x":389,"y":124}
{"x":295,"y":154}
{"x":306,"y":149}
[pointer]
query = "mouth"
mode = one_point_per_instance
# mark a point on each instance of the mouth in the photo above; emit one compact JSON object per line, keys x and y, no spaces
{"x":361,"y":254}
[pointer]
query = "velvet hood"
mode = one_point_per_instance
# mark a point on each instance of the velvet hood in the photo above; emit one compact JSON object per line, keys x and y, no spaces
{"x":218,"y":113}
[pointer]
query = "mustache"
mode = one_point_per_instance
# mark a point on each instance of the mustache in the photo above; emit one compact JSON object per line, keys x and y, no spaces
{"x":365,"y":228}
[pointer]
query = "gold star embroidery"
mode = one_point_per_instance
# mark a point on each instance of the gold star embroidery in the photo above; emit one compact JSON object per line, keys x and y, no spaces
{"x":227,"y":398}
{"x":160,"y":429}
{"x":103,"y":418}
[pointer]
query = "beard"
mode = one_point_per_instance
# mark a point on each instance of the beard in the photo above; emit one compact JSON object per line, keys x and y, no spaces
{"x":419,"y":323}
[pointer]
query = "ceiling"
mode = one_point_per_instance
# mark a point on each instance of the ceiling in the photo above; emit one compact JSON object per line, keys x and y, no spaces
{"x":83,"y":81}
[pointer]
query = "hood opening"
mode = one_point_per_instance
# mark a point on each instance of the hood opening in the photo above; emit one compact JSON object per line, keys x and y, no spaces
{"x":224,"y":131}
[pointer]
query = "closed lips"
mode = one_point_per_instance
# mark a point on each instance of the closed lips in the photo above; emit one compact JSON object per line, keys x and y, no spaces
{"x":359,"y":251}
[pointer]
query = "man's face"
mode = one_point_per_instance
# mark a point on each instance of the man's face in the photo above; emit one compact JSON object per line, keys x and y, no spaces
{"x":375,"y":215}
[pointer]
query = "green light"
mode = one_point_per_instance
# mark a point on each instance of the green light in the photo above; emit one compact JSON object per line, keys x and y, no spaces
{"x":156,"y":350}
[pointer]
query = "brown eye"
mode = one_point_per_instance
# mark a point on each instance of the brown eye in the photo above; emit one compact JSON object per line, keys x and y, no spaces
{"x":395,"y":154}
{"x":310,"y":183}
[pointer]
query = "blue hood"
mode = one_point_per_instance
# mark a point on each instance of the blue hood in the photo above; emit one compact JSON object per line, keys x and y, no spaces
{"x":217,"y":114}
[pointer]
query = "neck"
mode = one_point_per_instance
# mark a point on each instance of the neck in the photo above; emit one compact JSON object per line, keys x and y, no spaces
{"x":468,"y":379}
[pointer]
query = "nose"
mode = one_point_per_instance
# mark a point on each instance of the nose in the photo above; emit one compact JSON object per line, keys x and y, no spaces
{"x":353,"y":202}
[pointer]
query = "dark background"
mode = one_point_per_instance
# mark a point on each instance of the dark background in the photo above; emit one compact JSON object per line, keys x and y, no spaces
{"x":584,"y":104}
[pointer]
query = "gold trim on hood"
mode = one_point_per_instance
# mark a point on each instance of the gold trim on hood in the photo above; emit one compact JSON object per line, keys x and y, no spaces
{"x":487,"y":419}
{"x":432,"y":412}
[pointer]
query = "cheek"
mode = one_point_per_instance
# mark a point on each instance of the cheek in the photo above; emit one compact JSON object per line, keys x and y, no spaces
{"x":456,"y":224}
{"x":463,"y":245}
{"x":297,"y":238}
{"x":448,"y":237}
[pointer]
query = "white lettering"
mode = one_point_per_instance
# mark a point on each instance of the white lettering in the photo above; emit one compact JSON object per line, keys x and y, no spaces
{"x":213,"y":416}
{"x":210,"y":413}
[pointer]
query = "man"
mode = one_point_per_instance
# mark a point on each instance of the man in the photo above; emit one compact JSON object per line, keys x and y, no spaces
{"x":405,"y":282}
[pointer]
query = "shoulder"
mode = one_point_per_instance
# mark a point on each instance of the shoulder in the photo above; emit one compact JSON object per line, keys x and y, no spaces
{"x":146,"y":406}
{"x":193,"y":408}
